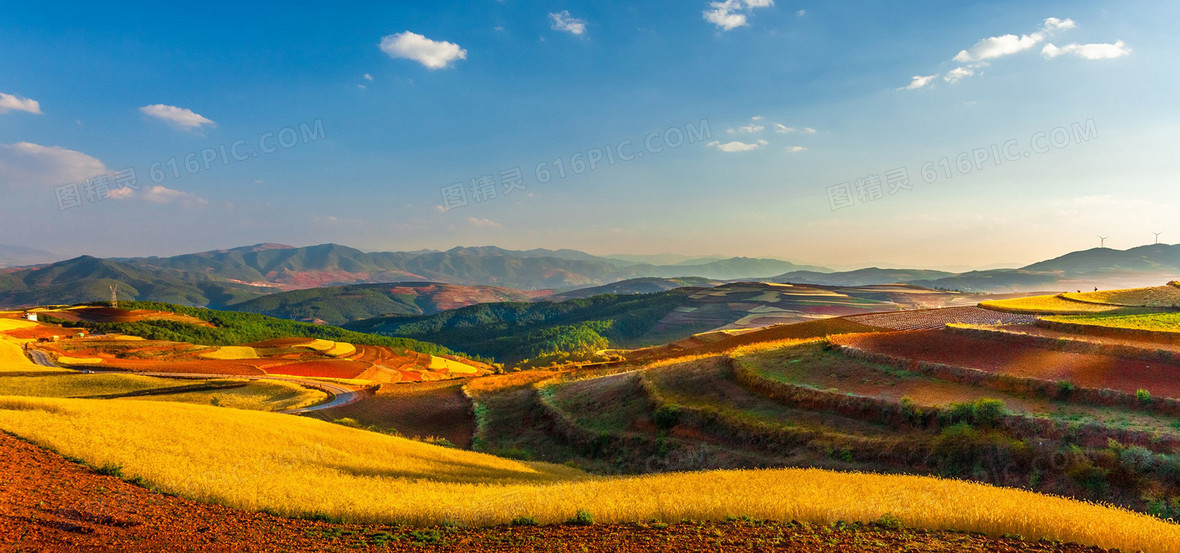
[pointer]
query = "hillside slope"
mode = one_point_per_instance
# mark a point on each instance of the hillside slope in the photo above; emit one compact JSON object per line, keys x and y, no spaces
{"x":340,"y":304}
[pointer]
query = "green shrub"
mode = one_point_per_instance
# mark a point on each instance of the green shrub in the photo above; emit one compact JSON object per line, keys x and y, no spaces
{"x":1143,"y":396}
{"x":1065,"y":389}
{"x":524,"y":521}
{"x":666,"y":417}
{"x":582,"y":518}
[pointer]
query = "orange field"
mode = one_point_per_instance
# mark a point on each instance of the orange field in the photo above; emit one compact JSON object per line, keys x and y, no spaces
{"x":1021,"y":360}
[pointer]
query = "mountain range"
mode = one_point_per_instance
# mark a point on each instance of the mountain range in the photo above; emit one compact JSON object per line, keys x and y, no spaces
{"x":223,"y":278}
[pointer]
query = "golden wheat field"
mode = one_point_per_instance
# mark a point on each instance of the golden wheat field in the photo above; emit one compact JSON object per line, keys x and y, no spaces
{"x":257,"y":395}
{"x":12,"y":359}
{"x":1056,"y":304}
{"x":79,"y":385}
{"x":1156,"y":296}
{"x":294,"y":465}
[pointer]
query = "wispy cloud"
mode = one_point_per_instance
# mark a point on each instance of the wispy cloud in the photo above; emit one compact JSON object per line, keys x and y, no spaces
{"x":563,"y":21}
{"x":180,"y":118}
{"x":483,"y":223}
{"x":12,"y":102}
{"x":919,"y":81}
{"x":159,"y":195}
{"x":1097,"y":51}
{"x":26,"y":165}
{"x":433,"y":54}
{"x":728,"y":15}
{"x":737,"y":146}
{"x":1004,"y":45}
{"x":795,"y":149}
{"x":984,"y":51}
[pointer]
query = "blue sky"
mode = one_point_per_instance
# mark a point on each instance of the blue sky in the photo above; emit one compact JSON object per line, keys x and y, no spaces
{"x":798,"y":98}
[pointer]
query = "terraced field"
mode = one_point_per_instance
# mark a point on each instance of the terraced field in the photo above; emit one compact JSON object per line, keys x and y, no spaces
{"x":1023,"y":361}
{"x":924,"y":319}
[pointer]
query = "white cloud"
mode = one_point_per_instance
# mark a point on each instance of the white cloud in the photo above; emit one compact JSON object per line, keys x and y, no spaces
{"x":783,"y":129}
{"x":484,"y":223}
{"x":808,"y":130}
{"x":736,"y":146}
{"x":159,"y":195}
{"x":368,"y":77}
{"x":1096,"y":51}
{"x":751,"y":128}
{"x":919,"y":81}
{"x":10,"y":102}
{"x":25,"y":164}
{"x":989,"y":48}
{"x":433,"y":54}
{"x":794,"y":149}
{"x":954,"y":75}
{"x":731,"y":14}
{"x":180,"y":118}
{"x":1008,"y":44}
{"x":564,"y":22}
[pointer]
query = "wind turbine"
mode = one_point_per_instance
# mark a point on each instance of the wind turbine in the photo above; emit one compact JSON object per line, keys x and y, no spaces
{"x":1157,"y":237}
{"x":1102,"y":241}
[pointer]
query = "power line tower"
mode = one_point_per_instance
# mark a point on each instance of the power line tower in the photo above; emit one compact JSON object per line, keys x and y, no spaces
{"x":114,"y":295}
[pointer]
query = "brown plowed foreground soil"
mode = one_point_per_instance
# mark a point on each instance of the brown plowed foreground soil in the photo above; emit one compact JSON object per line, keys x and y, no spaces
{"x":49,"y":504}
{"x":1085,"y":370}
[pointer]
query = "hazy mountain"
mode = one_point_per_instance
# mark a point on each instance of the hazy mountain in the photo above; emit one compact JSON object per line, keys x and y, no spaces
{"x":860,"y":277}
{"x":16,"y":256}
{"x":339,"y":304}
{"x":87,"y":279}
{"x":648,"y":285}
{"x":1156,"y":258}
{"x":332,"y":264}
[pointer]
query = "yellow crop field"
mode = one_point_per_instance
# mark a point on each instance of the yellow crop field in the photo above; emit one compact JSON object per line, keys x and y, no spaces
{"x":296,"y":465}
{"x":67,"y":360}
{"x":438,"y":363}
{"x":80,"y":385}
{"x":15,"y":324}
{"x":1056,"y":305}
{"x":260,"y":395}
{"x":1156,"y":296}
{"x":231,"y":353}
{"x":12,"y":358}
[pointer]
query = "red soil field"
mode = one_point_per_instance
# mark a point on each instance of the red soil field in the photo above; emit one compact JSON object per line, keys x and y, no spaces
{"x":112,"y":315}
{"x":328,"y":368}
{"x":42,"y":331}
{"x":1085,"y":370}
{"x":281,"y":343}
{"x":201,"y":367}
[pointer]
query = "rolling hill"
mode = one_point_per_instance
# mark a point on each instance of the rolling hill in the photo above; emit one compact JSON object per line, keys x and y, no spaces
{"x":340,"y":304}
{"x":578,"y":328}
{"x":87,"y":279}
{"x":291,"y":268}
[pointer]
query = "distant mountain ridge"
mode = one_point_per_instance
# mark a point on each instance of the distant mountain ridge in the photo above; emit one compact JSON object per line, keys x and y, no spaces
{"x":332,"y":265}
{"x":16,"y":256}
{"x":221,"y":278}
{"x":1098,"y":267}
